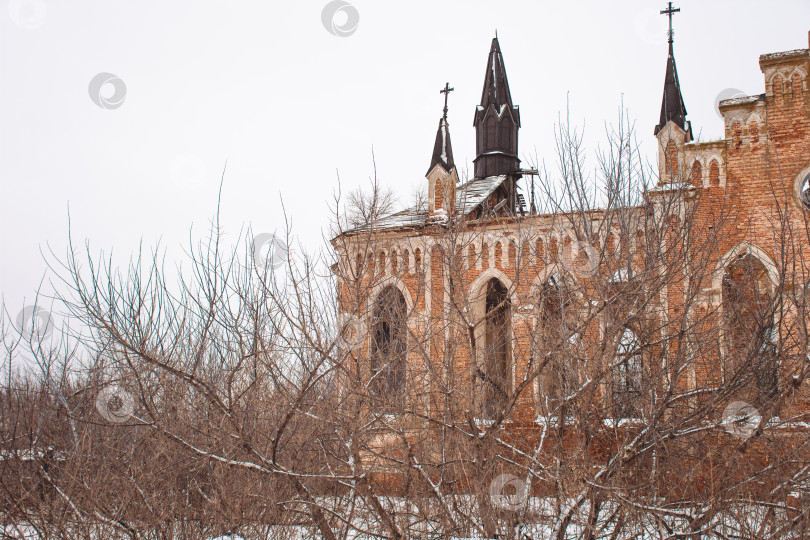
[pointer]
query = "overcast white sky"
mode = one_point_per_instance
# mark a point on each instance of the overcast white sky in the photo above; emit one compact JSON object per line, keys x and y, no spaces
{"x":264,"y":86}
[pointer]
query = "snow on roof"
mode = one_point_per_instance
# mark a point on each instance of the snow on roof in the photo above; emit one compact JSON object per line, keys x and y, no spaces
{"x":742,"y":100}
{"x":784,"y":54}
{"x":405,"y":218}
{"x":468,"y":197}
{"x":474,"y":192}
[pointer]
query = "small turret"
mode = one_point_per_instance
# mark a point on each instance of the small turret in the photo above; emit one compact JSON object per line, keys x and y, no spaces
{"x":442,"y":176}
{"x":673,"y":130}
{"x":672,"y":105}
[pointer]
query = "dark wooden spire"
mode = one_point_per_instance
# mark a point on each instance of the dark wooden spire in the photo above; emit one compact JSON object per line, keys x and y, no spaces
{"x":497,"y":121}
{"x":496,"y":86}
{"x":442,"y":149}
{"x":672,"y":105}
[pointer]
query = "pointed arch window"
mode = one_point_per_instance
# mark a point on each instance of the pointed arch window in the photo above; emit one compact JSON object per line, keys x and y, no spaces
{"x":627,"y":376}
{"x":555,"y":304}
{"x":495,"y":371}
{"x":555,"y":338}
{"x":750,"y":339}
{"x":389,"y":345}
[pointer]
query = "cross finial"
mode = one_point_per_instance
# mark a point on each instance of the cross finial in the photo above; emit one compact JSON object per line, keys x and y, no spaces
{"x":446,"y":91}
{"x":669,"y":12}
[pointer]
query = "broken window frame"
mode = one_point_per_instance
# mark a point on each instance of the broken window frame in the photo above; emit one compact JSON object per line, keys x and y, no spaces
{"x":389,"y":346}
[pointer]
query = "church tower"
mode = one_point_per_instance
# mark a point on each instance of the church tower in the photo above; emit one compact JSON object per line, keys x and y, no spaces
{"x":496,"y":122}
{"x":673,"y":129}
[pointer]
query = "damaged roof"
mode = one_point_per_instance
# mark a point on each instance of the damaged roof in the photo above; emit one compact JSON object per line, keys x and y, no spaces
{"x":468,"y":197}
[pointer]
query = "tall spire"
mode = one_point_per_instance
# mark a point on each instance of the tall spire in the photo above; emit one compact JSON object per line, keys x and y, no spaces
{"x":496,"y":86}
{"x":497,"y":121}
{"x":672,"y":105}
{"x":442,"y":149}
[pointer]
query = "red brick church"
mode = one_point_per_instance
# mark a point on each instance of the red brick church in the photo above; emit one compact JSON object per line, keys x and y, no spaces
{"x":478,"y":308}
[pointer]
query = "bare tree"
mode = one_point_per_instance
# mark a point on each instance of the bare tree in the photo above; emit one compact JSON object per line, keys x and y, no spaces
{"x":577,"y":370}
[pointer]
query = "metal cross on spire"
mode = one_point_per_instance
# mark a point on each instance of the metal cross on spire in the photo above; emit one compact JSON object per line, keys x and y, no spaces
{"x":669,"y":12}
{"x":446,"y":91}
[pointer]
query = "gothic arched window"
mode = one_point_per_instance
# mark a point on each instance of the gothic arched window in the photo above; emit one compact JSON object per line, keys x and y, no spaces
{"x":627,"y":376}
{"x":555,"y":339}
{"x":554,"y":302}
{"x":495,"y":371}
{"x":389,"y":345}
{"x":748,"y":330}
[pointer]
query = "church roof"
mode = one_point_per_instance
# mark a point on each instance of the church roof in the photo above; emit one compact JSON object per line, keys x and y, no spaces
{"x":672,"y":105}
{"x":468,"y":196}
{"x":442,"y":149}
{"x":474,"y":192}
